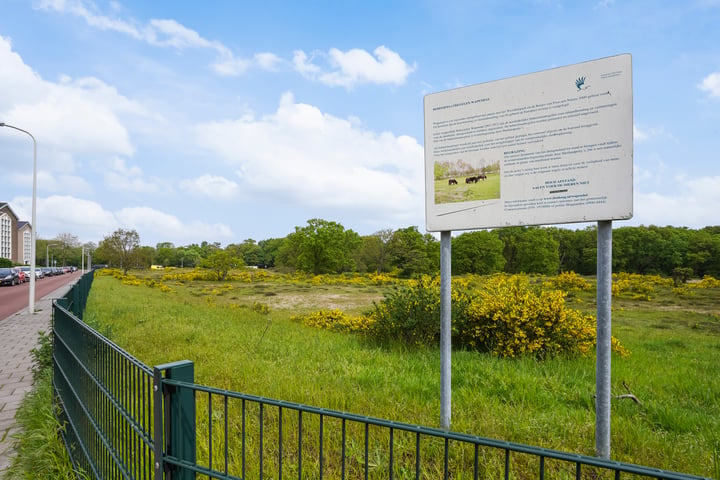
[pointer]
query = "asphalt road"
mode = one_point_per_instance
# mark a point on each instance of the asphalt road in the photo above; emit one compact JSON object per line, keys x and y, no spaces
{"x":13,"y":299}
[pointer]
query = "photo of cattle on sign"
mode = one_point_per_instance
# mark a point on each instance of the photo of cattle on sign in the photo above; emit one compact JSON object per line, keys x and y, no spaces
{"x":481,"y":181}
{"x":476,"y":178}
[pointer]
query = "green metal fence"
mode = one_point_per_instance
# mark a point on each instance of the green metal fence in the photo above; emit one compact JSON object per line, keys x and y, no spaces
{"x":126,"y":420}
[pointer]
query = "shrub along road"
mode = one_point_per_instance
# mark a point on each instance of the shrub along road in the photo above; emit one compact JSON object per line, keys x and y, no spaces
{"x":13,"y":299}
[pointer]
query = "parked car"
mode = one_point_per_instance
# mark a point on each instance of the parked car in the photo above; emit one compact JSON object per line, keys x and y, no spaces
{"x":9,"y":276}
{"x":21,"y":275}
{"x":38,"y":273}
{"x":47,"y":272}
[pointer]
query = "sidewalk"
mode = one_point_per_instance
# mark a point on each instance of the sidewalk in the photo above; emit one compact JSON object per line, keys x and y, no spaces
{"x":19,"y":335}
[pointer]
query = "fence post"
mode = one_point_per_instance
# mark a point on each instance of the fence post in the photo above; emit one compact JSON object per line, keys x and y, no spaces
{"x":174,"y":415}
{"x":76,"y":307}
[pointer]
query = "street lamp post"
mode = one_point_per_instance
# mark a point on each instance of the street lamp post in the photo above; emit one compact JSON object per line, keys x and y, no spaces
{"x":47,"y":253}
{"x":31,"y":300}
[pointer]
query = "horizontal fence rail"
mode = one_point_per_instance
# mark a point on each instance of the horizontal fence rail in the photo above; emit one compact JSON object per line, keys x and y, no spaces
{"x":244,"y":436}
{"x":125,"y":420}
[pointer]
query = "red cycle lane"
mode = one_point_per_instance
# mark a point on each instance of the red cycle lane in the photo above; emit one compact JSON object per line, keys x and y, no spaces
{"x":15,"y":298}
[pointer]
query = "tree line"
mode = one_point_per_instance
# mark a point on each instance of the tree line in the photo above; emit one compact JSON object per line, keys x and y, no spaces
{"x":322,"y":247}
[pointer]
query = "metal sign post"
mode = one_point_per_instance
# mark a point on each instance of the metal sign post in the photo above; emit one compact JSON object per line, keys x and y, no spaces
{"x":445,"y":329}
{"x":604,"y":339}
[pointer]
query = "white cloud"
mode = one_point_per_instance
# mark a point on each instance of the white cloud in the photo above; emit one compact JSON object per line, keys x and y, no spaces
{"x":642,"y":134}
{"x":604,"y":4}
{"x":118,"y":182}
{"x":165,"y":33}
{"x":356,"y":66}
{"x":58,"y":213}
{"x":85,"y":10}
{"x":711,"y":85}
{"x":156,"y":224}
{"x":169,"y":33}
{"x":18,"y":78}
{"x":81,"y":115}
{"x":301,"y":155}
{"x":267,"y":61}
{"x":211,"y":186}
{"x":303,"y":66}
{"x":91,"y":222}
{"x":692,"y":204}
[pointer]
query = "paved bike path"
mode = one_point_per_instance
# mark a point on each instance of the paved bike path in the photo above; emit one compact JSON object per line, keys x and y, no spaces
{"x":19,"y":335}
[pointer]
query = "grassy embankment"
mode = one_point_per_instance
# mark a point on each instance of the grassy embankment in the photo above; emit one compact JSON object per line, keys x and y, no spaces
{"x":241,"y":337}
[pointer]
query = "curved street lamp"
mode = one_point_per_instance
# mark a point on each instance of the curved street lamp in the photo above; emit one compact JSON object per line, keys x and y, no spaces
{"x":31,"y":300}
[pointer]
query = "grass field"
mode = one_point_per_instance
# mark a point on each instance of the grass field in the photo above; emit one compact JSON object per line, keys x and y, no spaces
{"x":241,"y":337}
{"x":467,"y":192}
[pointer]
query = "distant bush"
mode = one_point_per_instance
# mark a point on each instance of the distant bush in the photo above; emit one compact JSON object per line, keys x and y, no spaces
{"x":335,"y":320}
{"x":568,"y":282}
{"x":707,"y":282}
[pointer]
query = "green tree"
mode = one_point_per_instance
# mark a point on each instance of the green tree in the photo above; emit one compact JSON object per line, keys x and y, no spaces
{"x":166,"y":254}
{"x":249,"y":251}
{"x":374,"y":254}
{"x":409,"y":252}
{"x":221,"y":262}
{"x":530,"y":250}
{"x":189,"y":256}
{"x":578,"y":250}
{"x":270,"y":248}
{"x":143,"y":256}
{"x":119,"y":246}
{"x":478,"y":252}
{"x":66,"y":243}
{"x":320,"y":247}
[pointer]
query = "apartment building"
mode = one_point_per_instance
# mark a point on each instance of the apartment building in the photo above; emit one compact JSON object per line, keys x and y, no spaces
{"x":15,"y":236}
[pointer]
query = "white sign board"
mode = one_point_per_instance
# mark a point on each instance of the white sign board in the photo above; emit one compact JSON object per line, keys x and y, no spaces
{"x":550,"y":147}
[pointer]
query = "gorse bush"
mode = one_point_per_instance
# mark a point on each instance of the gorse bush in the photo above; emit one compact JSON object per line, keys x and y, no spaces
{"x":409,"y":313}
{"x":707,"y":282}
{"x":509,"y":317}
{"x":568,"y":282}
{"x":335,"y":320}
{"x":505,"y":315}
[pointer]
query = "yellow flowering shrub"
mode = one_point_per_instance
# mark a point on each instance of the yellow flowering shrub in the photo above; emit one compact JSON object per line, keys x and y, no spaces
{"x":335,"y":320}
{"x":510,"y":318}
{"x":261,"y":308}
{"x":568,"y":282}
{"x":505,"y":315}
{"x":707,"y":281}
{"x":635,"y":286}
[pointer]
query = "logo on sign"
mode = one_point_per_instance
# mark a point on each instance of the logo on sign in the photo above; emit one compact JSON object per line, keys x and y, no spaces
{"x":580,"y":83}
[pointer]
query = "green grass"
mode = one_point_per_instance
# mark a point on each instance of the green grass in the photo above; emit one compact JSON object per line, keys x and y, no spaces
{"x":467,"y":192}
{"x":39,"y":451}
{"x":672,"y":369}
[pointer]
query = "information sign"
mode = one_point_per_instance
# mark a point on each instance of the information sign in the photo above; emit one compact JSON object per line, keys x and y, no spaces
{"x":545,"y":148}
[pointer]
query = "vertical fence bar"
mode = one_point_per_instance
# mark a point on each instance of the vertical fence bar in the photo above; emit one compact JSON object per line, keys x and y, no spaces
{"x":300,"y":417}
{"x":321,"y":446}
{"x":158,"y":445}
{"x":344,"y":447}
{"x":210,"y":431}
{"x":280,"y":442}
{"x":261,"y":441}
{"x":392,"y":438}
{"x":227,"y":450}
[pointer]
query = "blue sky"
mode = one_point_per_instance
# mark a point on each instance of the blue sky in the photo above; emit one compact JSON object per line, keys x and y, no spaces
{"x":229,"y":120}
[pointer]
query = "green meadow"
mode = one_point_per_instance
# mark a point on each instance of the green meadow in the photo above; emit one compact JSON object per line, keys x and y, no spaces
{"x":467,"y":192}
{"x":243,"y":335}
